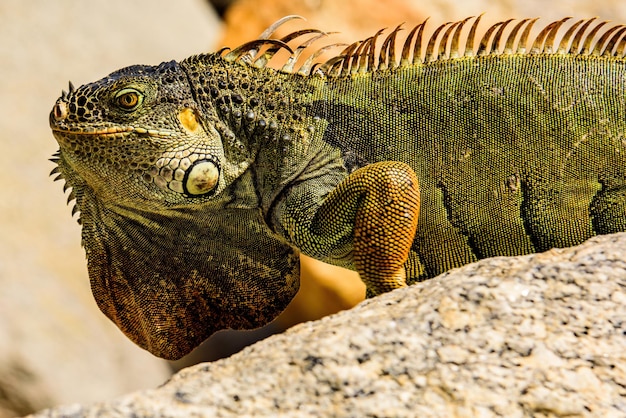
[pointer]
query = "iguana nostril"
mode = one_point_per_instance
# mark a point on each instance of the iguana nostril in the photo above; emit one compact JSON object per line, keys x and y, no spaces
{"x":60,"y":110}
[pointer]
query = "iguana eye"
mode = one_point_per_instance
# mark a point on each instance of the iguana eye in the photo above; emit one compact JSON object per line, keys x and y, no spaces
{"x":128,"y":99}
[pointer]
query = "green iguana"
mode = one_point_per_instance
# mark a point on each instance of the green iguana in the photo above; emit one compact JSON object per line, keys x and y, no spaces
{"x":199,"y":182}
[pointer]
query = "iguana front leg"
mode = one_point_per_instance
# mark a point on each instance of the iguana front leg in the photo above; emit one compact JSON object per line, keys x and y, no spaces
{"x":367,"y":222}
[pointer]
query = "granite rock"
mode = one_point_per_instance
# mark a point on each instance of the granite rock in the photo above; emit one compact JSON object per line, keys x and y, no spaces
{"x":541,"y":335}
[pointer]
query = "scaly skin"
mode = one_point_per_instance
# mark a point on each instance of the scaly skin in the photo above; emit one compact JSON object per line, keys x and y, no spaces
{"x":199,"y":182}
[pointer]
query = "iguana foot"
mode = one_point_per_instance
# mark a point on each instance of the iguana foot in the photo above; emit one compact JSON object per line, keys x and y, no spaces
{"x":385,"y":223}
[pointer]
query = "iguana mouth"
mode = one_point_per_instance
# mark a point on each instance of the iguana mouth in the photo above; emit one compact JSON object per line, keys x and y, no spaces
{"x":114,"y":130}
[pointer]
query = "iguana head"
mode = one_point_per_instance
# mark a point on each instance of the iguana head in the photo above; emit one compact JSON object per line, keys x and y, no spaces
{"x":174,"y":252}
{"x":140,"y":130}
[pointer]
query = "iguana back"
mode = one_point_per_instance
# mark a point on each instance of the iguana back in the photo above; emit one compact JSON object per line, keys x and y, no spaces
{"x":199,"y":182}
{"x":514,"y":154}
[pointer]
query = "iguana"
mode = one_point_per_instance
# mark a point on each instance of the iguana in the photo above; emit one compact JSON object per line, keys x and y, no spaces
{"x":199,"y":182}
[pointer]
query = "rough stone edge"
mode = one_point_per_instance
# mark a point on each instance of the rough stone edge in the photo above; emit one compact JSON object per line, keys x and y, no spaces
{"x":171,"y":399}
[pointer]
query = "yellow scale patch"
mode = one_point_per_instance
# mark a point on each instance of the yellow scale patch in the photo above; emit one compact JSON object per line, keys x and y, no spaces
{"x":189,"y":120}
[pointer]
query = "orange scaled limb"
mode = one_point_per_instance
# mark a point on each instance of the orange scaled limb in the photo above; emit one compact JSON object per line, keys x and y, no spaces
{"x":385,"y":224}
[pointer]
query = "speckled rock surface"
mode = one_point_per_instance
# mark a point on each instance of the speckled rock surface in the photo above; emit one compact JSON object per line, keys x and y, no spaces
{"x":540,"y":335}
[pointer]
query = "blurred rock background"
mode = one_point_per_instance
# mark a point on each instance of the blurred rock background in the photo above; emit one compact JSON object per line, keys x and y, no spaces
{"x":55,"y":345}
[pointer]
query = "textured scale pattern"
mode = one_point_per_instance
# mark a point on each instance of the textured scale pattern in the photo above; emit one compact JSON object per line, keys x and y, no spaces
{"x":199,"y":182}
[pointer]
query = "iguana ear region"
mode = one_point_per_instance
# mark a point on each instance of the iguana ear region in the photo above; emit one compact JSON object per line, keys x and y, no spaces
{"x":169,"y":282}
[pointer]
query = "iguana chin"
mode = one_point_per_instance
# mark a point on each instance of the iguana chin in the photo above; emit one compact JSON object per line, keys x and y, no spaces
{"x":200,"y":182}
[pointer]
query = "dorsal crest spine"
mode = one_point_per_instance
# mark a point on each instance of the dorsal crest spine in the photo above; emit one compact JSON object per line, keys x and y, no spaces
{"x":378,"y":53}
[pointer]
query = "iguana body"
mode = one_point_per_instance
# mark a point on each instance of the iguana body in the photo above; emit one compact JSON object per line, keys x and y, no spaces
{"x":199,"y":182}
